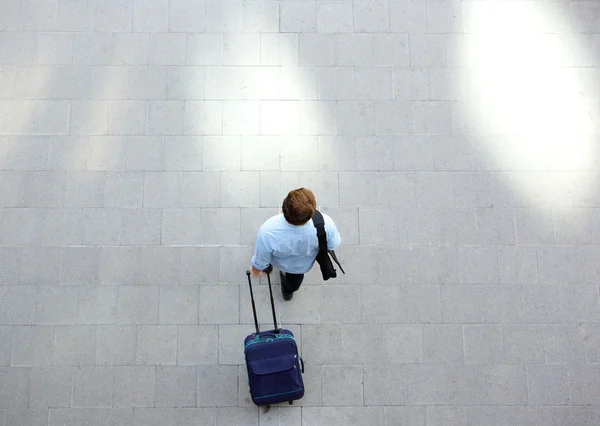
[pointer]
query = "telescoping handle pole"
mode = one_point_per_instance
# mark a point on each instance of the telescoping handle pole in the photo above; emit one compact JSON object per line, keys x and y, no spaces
{"x":272,"y":303}
{"x":252,"y":298}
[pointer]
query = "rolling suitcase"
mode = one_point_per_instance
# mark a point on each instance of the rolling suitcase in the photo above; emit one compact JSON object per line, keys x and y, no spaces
{"x":274,"y":365}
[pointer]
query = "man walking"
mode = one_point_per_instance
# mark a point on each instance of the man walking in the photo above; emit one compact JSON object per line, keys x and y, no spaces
{"x":289,"y":241}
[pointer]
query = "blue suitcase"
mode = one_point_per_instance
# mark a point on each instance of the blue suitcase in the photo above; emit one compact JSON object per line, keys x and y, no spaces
{"x":274,"y":365}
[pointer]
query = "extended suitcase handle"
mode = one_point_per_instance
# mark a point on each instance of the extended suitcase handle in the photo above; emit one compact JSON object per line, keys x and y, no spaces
{"x":254,"y":306}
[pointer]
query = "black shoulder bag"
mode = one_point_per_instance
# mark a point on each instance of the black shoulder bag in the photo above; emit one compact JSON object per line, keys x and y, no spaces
{"x":327,"y":268}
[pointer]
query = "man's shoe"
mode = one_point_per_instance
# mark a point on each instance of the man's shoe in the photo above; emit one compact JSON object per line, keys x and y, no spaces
{"x":286,"y":296}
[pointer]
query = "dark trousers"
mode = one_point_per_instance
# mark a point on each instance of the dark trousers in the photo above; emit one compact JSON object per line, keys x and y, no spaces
{"x":292,"y":282}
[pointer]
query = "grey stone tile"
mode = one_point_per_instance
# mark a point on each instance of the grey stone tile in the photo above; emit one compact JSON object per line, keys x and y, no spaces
{"x":340,"y":304}
{"x":165,"y":117}
{"x":402,"y":304}
{"x":402,"y":344}
{"x":9,"y":264}
{"x":22,"y":227}
{"x":141,"y":227}
{"x":305,"y":309}
{"x":405,"y":416}
{"x":216,"y":385}
{"x":45,"y":189}
{"x":378,"y":227}
{"x":17,"y":305}
{"x":234,"y":260}
{"x":534,"y":226}
{"x":187,"y":82}
{"x":16,"y":181}
{"x":517,"y":265}
{"x":154,"y":416}
{"x":119,"y":265}
{"x":240,"y":189}
{"x":592,"y":336}
{"x":322,"y":344}
{"x":160,"y":265}
{"x":102,"y":226}
{"x":548,"y":385}
{"x":200,"y":416}
{"x":176,"y":386}
{"x":456,"y":226}
{"x":583,"y":383}
{"x":134,"y":387}
{"x":219,"y":305}
{"x":156,"y":345}
{"x":50,"y":387}
{"x":115,"y":345}
{"x":196,"y":345}
{"x":37,"y":266}
{"x":6,"y":344}
{"x":72,"y":417}
{"x":558,"y":415}
{"x":74,"y":345}
{"x":107,"y":152}
{"x":443,"y":344}
{"x":299,"y":17}
{"x":93,"y":387}
{"x":221,"y":153}
{"x":183,"y":153}
{"x":454,"y":384}
{"x":580,"y":303}
{"x":371,"y":344}
{"x":230,"y":336}
{"x":56,"y":305}
{"x":126,"y":118}
{"x":356,"y":189}
{"x":473,"y":189}
{"x":62,"y":227}
{"x":391,"y":118}
{"x":495,"y":226}
{"x":313,"y":416}
{"x":144,"y":153}
{"x":360,"y":415}
{"x":497,"y":304}
{"x":563,"y":344}
{"x":484,"y":344}
{"x":138,"y":305}
{"x":79,"y":265}
{"x":201,"y":189}
{"x":438,"y":265}
{"x":478,"y":265}
{"x":382,"y":384}
{"x":524,"y":344}
{"x":31,"y":346}
{"x":286,"y":416}
{"x":213,"y":229}
{"x":434,"y":189}
{"x":162,"y":189}
{"x":24,"y":416}
{"x":15,"y":390}
{"x":200,"y":265}
{"x":178,"y":305}
{"x":342,"y":385}
{"x":123,"y":189}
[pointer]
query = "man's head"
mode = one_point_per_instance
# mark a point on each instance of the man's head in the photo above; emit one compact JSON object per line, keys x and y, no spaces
{"x":299,"y":206}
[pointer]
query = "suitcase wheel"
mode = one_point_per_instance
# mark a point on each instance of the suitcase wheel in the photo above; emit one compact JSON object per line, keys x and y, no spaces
{"x":290,"y":402}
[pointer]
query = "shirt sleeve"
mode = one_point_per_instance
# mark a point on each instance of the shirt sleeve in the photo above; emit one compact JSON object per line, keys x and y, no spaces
{"x":262,"y":254}
{"x":334,"y":238}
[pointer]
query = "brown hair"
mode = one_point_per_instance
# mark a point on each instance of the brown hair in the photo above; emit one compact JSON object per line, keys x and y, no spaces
{"x":299,"y":206}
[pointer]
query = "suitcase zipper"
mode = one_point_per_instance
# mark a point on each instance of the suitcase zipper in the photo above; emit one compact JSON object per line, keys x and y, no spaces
{"x":268,"y":339}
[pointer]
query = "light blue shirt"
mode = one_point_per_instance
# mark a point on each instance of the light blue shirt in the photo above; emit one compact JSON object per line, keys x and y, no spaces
{"x":291,"y":248}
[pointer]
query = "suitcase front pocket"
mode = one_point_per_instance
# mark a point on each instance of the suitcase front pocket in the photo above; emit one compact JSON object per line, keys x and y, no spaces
{"x":274,"y":376}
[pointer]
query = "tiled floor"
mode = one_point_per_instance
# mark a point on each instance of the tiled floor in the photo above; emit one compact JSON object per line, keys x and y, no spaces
{"x":456,"y":144}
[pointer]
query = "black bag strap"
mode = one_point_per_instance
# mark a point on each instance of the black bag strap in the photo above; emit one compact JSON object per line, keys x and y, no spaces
{"x":335,"y":259}
{"x":319,"y":223}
